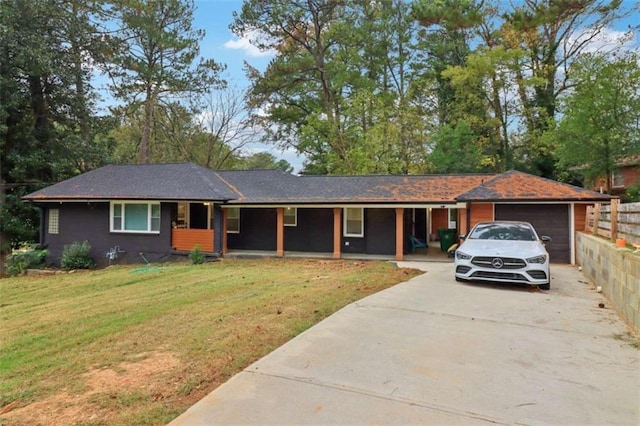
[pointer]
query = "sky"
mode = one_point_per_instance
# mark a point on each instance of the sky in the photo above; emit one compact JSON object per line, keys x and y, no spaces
{"x":215,"y":16}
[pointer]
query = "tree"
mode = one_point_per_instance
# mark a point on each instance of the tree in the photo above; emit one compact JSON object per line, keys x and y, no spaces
{"x":490,"y":108}
{"x":337,"y":90}
{"x":226,"y":128}
{"x":261,"y":161}
{"x":455,"y":150}
{"x":551,"y":33}
{"x":213,"y":131}
{"x":443,"y":43}
{"x":600,"y":125}
{"x":155,"y":59}
{"x":527,"y":44}
{"x":46,"y":120}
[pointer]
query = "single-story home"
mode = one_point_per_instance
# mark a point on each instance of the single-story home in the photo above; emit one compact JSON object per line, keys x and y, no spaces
{"x":164,"y":209}
{"x":625,"y":174}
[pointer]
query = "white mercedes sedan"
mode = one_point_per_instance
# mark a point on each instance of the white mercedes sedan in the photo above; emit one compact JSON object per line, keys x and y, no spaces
{"x":503,"y":251}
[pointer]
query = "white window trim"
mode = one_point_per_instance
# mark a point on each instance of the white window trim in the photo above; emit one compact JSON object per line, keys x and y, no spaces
{"x":344,"y":222}
{"x":227,"y":218}
{"x":149,"y":213}
{"x":295,"y":216}
{"x":453,"y":218}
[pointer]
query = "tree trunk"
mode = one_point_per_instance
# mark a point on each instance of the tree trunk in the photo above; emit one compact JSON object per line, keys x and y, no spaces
{"x":144,"y":152}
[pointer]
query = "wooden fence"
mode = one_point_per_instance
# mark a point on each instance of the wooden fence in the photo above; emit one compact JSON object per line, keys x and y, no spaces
{"x":615,"y":221}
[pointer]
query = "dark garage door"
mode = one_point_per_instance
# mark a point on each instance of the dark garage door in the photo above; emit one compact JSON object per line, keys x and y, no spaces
{"x":548,"y":219}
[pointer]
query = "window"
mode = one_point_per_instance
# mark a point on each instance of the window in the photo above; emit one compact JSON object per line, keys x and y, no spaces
{"x":453,"y":218}
{"x":233,"y":220}
{"x":290,"y":216}
{"x":54,"y":221}
{"x":617,"y":179}
{"x":183,"y":215}
{"x":353,"y":222}
{"x":135,"y":217}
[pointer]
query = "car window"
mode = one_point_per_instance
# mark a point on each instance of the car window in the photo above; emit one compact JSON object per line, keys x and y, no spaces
{"x":501,"y":231}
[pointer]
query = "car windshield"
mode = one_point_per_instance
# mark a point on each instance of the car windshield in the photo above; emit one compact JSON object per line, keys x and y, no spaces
{"x":503,"y":231}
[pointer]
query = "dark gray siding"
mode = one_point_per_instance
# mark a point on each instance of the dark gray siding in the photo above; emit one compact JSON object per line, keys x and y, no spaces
{"x":379,"y":234}
{"x":90,"y":222}
{"x":313,"y":233}
{"x":258,"y":230}
{"x":380,"y":231}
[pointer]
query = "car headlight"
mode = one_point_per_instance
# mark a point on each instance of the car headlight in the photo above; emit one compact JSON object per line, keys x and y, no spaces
{"x":462,"y":256}
{"x":538,"y":259}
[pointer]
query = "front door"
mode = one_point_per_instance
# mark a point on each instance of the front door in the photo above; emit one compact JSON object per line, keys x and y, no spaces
{"x":198,"y":216}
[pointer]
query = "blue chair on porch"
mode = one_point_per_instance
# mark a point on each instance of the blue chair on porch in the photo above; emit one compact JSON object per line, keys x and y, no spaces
{"x":417,"y":243}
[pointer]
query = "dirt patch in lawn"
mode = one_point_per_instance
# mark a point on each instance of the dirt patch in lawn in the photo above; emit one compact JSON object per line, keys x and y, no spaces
{"x":106,"y":389}
{"x":116,"y":347}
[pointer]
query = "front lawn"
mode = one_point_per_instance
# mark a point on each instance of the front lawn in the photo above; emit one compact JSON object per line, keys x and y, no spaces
{"x":132,"y":345}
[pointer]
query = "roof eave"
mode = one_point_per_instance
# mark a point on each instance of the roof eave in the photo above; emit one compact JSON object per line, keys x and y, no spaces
{"x":534,"y":200}
{"x":85,"y":198}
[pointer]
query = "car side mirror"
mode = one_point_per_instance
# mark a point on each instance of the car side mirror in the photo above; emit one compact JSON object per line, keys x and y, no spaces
{"x":462,"y":236}
{"x":545,"y":239}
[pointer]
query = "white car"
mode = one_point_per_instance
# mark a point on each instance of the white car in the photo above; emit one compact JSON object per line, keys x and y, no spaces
{"x":504,"y":251}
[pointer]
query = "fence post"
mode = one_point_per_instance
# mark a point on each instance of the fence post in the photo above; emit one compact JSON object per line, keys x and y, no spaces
{"x":587,"y":218}
{"x":614,"y":219}
{"x":596,"y":219}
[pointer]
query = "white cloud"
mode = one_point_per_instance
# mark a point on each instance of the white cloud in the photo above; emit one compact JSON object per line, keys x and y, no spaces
{"x":607,"y":41}
{"x":247,"y":47}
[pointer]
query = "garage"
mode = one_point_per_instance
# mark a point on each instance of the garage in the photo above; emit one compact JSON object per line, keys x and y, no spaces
{"x":548,"y":219}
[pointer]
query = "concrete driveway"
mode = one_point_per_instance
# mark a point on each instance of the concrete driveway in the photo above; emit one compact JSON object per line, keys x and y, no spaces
{"x":434,"y":351}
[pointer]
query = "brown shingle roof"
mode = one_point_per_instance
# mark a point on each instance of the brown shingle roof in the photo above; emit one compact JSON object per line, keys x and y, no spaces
{"x":518,"y":186}
{"x":265,"y":187}
{"x":191,"y":182}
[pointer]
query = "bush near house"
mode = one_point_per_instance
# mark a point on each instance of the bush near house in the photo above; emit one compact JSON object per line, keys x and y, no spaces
{"x":77,"y":256}
{"x":21,"y":260}
{"x":196,"y":255}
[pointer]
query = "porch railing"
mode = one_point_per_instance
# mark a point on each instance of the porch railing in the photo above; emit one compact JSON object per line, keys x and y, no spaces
{"x":183,"y":239}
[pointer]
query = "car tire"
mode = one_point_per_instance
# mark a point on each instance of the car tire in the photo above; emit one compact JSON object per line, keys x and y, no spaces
{"x":546,"y":286}
{"x":459,"y":279}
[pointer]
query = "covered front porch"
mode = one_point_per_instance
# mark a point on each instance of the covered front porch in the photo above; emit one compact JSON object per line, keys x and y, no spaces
{"x":194,"y":225}
{"x":338,"y":232}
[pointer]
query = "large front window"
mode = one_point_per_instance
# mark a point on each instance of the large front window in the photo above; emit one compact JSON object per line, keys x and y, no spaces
{"x":133,"y":216}
{"x":353,"y":222}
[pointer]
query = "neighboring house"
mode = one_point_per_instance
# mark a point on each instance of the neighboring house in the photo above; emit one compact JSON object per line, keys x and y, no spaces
{"x":164,"y":209}
{"x":625,"y":175}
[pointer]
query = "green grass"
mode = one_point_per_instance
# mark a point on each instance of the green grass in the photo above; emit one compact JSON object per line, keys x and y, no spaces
{"x":214,"y":319}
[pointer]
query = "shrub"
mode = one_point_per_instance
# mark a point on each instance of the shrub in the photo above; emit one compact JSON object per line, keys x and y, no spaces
{"x":633,"y":193}
{"x":19,"y":261}
{"x":196,"y":255}
{"x":77,"y":256}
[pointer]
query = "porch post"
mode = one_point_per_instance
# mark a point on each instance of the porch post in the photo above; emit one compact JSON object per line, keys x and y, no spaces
{"x":462,"y":221}
{"x":280,"y":232}
{"x":399,"y":233}
{"x":337,"y":241}
{"x":224,"y":232}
